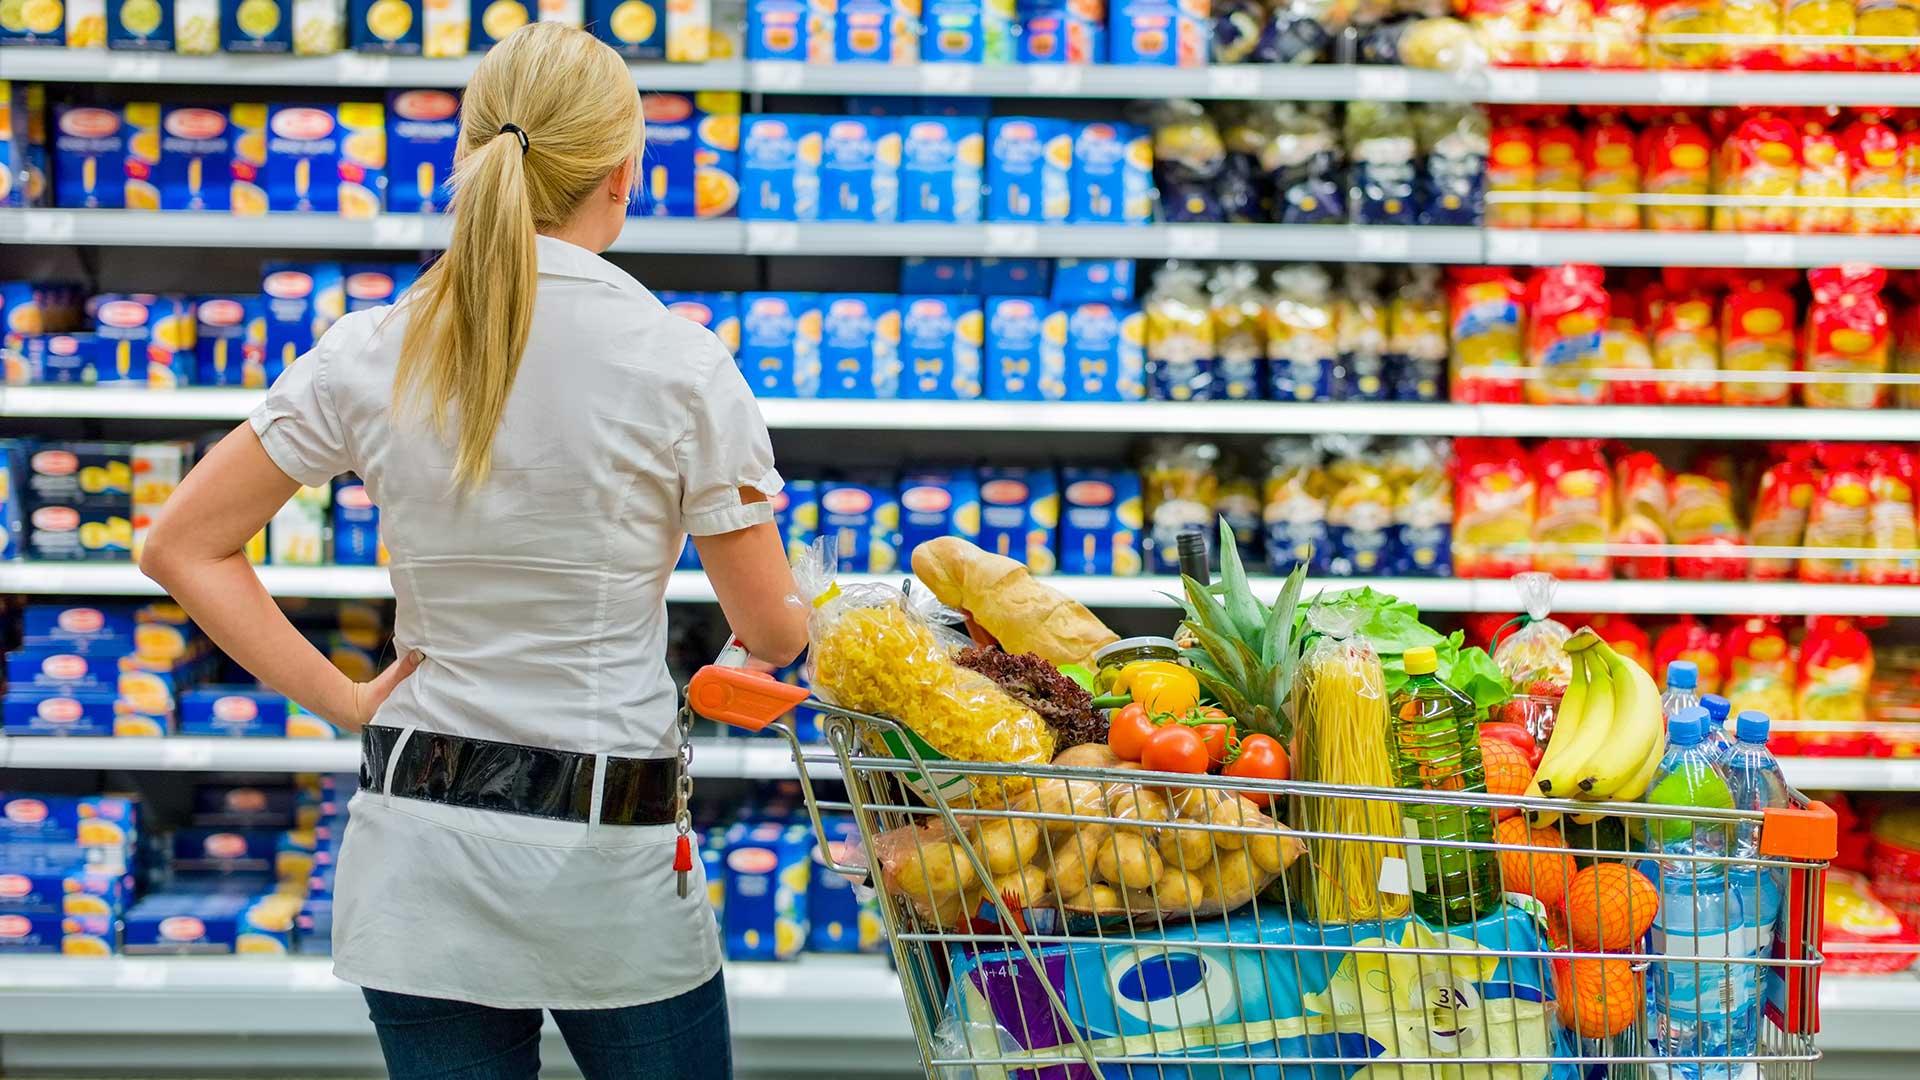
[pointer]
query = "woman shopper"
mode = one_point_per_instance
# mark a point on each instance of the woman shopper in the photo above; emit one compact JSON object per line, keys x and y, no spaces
{"x":540,"y":435}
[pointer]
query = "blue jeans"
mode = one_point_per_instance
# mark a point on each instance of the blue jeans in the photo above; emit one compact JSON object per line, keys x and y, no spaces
{"x":681,"y":1038}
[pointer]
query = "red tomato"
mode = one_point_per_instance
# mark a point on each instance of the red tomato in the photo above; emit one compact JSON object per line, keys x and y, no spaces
{"x":1218,"y":737}
{"x":1129,"y":731}
{"x":1175,"y":748}
{"x":1261,"y":758}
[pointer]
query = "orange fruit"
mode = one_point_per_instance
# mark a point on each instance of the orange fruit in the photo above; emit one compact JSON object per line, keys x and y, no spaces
{"x":1597,"y":999}
{"x":1542,"y":874}
{"x":1507,"y":772}
{"x":1610,"y":907}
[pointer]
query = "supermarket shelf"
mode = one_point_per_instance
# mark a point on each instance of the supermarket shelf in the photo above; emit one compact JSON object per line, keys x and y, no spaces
{"x":125,"y":579}
{"x":1852,"y":774}
{"x":1609,"y":248}
{"x":339,"y":69}
{"x":99,"y":402}
{"x":385,"y":232}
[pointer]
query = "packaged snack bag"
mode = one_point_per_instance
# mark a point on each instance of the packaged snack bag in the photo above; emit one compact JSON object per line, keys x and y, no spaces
{"x":1612,"y":167}
{"x":1825,"y":173}
{"x":1180,"y":346}
{"x":1239,"y":330}
{"x":1380,"y":150}
{"x":1625,"y":635}
{"x":1837,"y":516}
{"x":1495,"y":500}
{"x":1558,"y":168}
{"x":1686,"y":338}
{"x":1570,"y":307}
{"x":1676,"y":159}
{"x":1641,"y":494}
{"x":1691,"y":639}
{"x":1302,"y":335}
{"x":1760,"y":667}
{"x":1759,"y":21}
{"x":1359,"y":509}
{"x":1360,"y":321}
{"x":1453,"y":169}
{"x":1512,"y":165}
{"x":1417,"y":338}
{"x":1487,"y":326}
{"x":1535,"y":655}
{"x":1575,"y":506}
{"x":1422,"y":509}
{"x":1181,"y":484}
{"x":1886,"y":19}
{"x":1757,"y":324}
{"x":1684,"y":17}
{"x":1624,"y":347}
{"x":1760,"y":156}
{"x":1906,"y":351}
{"x":1502,"y":26}
{"x":1890,"y":517}
{"x":1562,"y":31}
{"x":1879,"y":171}
{"x":1619,"y":34}
{"x":1819,"y":19}
{"x":1847,"y":331}
{"x":1836,"y":671}
{"x":1780,"y":510}
{"x":1702,"y":515}
{"x":1295,"y":508}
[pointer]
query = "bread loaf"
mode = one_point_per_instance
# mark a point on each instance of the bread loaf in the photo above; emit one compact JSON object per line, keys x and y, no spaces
{"x":1005,"y":600}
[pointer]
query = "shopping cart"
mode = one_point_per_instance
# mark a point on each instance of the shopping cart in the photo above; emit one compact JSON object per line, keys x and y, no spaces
{"x":1015,"y":980}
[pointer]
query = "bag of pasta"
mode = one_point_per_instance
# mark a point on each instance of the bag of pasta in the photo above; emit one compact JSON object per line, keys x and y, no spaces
{"x":876,"y":649}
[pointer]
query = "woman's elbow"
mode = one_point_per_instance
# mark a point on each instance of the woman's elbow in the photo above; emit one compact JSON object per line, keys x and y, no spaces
{"x":159,"y":557}
{"x":780,"y":645}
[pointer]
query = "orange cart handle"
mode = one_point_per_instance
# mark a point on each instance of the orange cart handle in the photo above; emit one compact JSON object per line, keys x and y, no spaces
{"x":1811,"y":834}
{"x":749,"y":700}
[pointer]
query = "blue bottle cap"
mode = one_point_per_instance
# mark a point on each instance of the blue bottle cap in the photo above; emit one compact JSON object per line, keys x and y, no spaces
{"x":1717,"y":708}
{"x":1752,"y":726}
{"x":1683,"y":675}
{"x":1689,"y":728}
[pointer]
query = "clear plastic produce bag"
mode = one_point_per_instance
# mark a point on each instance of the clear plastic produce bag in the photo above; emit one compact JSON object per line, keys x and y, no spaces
{"x":1534,"y":657}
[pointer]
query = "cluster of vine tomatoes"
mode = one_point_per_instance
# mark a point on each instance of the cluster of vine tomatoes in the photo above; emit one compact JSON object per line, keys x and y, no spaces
{"x":1204,"y":740}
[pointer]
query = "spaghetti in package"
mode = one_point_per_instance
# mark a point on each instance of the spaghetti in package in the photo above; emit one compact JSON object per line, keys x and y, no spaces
{"x":1495,"y":496}
{"x":1878,"y":172}
{"x":1537,"y":652}
{"x":1703,"y":516}
{"x":1824,"y":172}
{"x":1570,"y":309}
{"x":1759,"y":158}
{"x":1640,"y":485}
{"x":876,"y":649}
{"x":1575,"y":508}
{"x":1487,"y":330}
{"x":1760,"y":668}
{"x":1666,"y":18}
{"x":1692,"y":640}
{"x":1676,"y":159}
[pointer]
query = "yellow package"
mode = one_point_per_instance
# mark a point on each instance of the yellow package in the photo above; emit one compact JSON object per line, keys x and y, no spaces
{"x":1824,"y":174}
{"x":1819,"y":19}
{"x":1758,"y":20}
{"x":319,"y":27}
{"x":86,"y":24}
{"x":1180,"y":345}
{"x":1668,"y":17}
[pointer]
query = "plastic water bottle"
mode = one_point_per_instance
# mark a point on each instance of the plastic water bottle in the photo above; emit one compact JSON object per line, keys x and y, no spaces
{"x":1694,"y":1005}
{"x":1682,"y":678}
{"x":1718,"y":709}
{"x":1754,"y":778}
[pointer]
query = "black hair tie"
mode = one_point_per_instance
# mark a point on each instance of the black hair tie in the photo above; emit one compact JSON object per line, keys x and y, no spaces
{"x":517,"y":133}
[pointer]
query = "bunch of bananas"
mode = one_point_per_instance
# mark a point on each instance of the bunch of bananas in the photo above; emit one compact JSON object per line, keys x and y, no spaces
{"x":1609,"y":736}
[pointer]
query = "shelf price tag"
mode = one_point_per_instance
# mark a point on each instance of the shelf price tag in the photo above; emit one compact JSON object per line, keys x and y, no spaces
{"x":777,"y":76}
{"x":1013,"y":239}
{"x":1683,"y":87}
{"x":400,"y":231}
{"x":1193,"y":241}
{"x":307,"y":976}
{"x":133,"y":67}
{"x":946,"y":78}
{"x":185,"y":755}
{"x":48,"y":227}
{"x":1233,"y":80}
{"x":1513,"y":85}
{"x":1384,"y":245}
{"x":1768,"y":249}
{"x":140,"y":975}
{"x":1379,"y":83}
{"x":1512,"y":247}
{"x":772,"y":237}
{"x":1048,"y":80}
{"x":364,"y":70}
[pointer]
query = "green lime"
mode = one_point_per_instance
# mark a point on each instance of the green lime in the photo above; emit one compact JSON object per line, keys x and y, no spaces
{"x":1693,"y":784}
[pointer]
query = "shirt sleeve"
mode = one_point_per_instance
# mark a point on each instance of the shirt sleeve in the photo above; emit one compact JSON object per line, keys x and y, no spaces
{"x":726,"y":448}
{"x":297,"y":423}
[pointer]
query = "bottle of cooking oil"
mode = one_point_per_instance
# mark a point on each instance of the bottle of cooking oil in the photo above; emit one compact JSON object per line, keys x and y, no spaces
{"x":1435,"y":747}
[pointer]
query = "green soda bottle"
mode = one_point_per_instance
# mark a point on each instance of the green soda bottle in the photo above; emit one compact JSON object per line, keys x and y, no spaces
{"x":1436,"y":747}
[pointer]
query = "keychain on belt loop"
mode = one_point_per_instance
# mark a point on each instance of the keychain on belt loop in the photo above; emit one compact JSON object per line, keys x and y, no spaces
{"x":683,"y":797}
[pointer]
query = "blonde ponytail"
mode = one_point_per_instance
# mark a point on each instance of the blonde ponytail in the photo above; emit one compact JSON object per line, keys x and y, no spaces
{"x":549,"y":114}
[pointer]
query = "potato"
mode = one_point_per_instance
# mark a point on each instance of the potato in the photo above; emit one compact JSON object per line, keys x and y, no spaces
{"x":934,"y":871}
{"x":1127,"y":859}
{"x":1197,"y":802}
{"x":1074,"y":798}
{"x":1231,"y":814}
{"x":1008,"y":844}
{"x":1104,"y":898}
{"x":1232,"y":880}
{"x":1137,"y":804}
{"x":1073,"y":857}
{"x":953,"y":910}
{"x":1273,"y":851}
{"x":1178,"y":891}
{"x":1088,"y":756}
{"x":1186,"y":849}
{"x":1027,"y":886}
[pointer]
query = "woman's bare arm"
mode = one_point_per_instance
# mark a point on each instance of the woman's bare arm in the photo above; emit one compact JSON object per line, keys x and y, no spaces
{"x":750,"y":576}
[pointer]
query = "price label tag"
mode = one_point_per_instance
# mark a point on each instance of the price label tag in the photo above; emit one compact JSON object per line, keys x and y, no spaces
{"x":772,"y":237}
{"x":1233,"y":81}
{"x":1193,"y":241}
{"x":1513,"y":85}
{"x":1383,"y":84}
{"x":308,"y":976}
{"x":1012,"y":239}
{"x":1394,"y":878}
{"x":1768,"y":249}
{"x":1054,"y":79}
{"x":140,"y":975}
{"x":128,"y":67}
{"x":946,"y":78}
{"x":1512,"y":247}
{"x":185,"y":754}
{"x":1903,"y":776}
{"x":48,"y":227}
{"x":363,"y":69}
{"x":399,"y":231}
{"x":777,"y":76}
{"x":1683,"y":87}
{"x":1384,"y":245}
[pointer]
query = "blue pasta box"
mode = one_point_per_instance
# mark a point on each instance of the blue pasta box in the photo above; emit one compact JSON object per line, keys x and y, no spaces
{"x":11,"y":458}
{"x":70,"y":935}
{"x":18,"y":118}
{"x":72,"y":358}
{"x":184,"y":924}
{"x":75,"y":890}
{"x":423,"y":128}
{"x":859,"y":345}
{"x":302,"y":301}
{"x":839,"y":920}
{"x":1029,"y":162}
{"x":1079,"y":281}
{"x":768,"y":874}
{"x":256,"y":26}
{"x":940,"y":344}
{"x":140,"y":26}
{"x":936,"y":504}
{"x":495,"y":19}
{"x":1012,"y":277}
{"x":356,"y":525}
{"x":149,"y":338}
{"x":955,"y":32}
{"x":941,"y":162}
{"x":717,"y":311}
{"x":939,"y":275}
{"x":1025,"y":350}
{"x":106,"y":158}
{"x":713,"y":860}
{"x":48,"y":27}
{"x":691,"y":165}
{"x":370,"y":285}
{"x":780,"y":168}
{"x":195,"y":171}
{"x":327,"y":159}
{"x":1112,"y":175}
{"x":1059,"y":35}
{"x":1106,"y":352}
{"x":876,"y":32}
{"x":393,"y":27}
{"x":780,"y":343}
{"x":71,"y":826}
{"x":233,"y":711}
{"x":793,"y":30}
{"x":224,"y":850}
{"x":55,"y":669}
{"x":79,"y":627}
{"x":1019,"y":515}
{"x":230,"y":341}
{"x":1101,"y":517}
{"x":862,"y":524}
{"x":860,"y":169}
{"x":636,"y":29}
{"x":248,"y":196}
{"x":249,"y":806}
{"x":58,"y":712}
{"x":66,"y":533}
{"x":796,"y":514}
{"x":82,"y":474}
{"x":1165,"y":33}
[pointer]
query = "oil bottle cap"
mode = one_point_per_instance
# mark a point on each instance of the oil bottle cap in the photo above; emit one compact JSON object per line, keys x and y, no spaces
{"x":1683,"y":675}
{"x":1420,"y":660}
{"x":1718,"y":708}
{"x":1752,"y":726}
{"x":1689,"y":727}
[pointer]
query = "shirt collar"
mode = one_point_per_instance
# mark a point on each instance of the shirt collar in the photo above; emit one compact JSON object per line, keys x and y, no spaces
{"x":558,"y":258}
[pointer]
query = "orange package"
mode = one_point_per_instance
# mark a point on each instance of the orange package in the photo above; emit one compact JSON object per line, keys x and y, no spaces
{"x":1686,"y":338}
{"x":1780,"y":510}
{"x":1757,"y":326}
{"x":1494,"y":504}
{"x":1623,"y":347}
{"x":1836,"y":670}
{"x":1837,"y":516}
{"x":1561,"y":32}
{"x":1879,"y":171}
{"x":1825,"y":173}
{"x":1847,"y":332}
{"x":1702,"y":515}
{"x":1759,"y":158}
{"x":1611,"y":167}
{"x":1676,"y":159}
{"x":1760,"y":667}
{"x":1890,"y":518}
{"x":1575,"y":508}
{"x":1486,"y":329}
{"x":1557,"y":167}
{"x":1691,"y":639}
{"x":1568,"y":308}
{"x":1641,"y":493}
{"x":1512,"y":165}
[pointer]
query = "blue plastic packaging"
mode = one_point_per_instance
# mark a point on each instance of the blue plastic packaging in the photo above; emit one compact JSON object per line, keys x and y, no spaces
{"x":941,"y":161}
{"x":1029,"y":162}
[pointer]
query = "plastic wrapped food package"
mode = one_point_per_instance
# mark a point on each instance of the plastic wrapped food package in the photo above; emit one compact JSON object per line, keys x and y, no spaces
{"x":1536,"y":652}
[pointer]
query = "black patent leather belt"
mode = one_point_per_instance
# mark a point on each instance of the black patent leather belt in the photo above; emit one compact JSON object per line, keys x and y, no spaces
{"x":508,"y":778}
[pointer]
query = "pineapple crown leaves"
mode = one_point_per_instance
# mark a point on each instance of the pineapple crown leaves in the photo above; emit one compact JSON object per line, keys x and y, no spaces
{"x":1247,"y":650}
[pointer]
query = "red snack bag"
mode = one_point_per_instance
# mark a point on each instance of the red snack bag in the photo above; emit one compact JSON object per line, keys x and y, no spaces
{"x":1611,"y":165}
{"x":1825,"y":173}
{"x":1486,"y":327}
{"x":1686,"y":338}
{"x":1759,"y":157}
{"x":1640,"y":487}
{"x":1626,"y":637}
{"x":1623,"y":346}
{"x":1691,"y":639}
{"x":1575,"y":507}
{"x":1494,"y":505}
{"x":1847,"y":331}
{"x":1619,"y":34}
{"x":1561,"y":32}
{"x":1905,"y":352}
{"x":1780,"y":510}
{"x":1702,"y":515}
{"x":1910,"y":157}
{"x":1837,"y":516}
{"x":1568,"y":307}
{"x":1503,"y":25}
{"x":1676,"y":159}
{"x":1757,"y":325}
{"x":1558,"y":168}
{"x":1512,"y":165}
{"x":1836,"y":671}
{"x":1890,"y":517}
{"x":1879,"y":171}
{"x":1760,"y":667}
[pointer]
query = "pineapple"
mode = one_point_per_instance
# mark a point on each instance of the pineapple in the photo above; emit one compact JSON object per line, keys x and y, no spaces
{"x":1244,"y":652}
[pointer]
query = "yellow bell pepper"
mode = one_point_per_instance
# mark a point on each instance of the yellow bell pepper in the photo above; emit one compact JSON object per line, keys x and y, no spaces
{"x":1160,"y":686}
